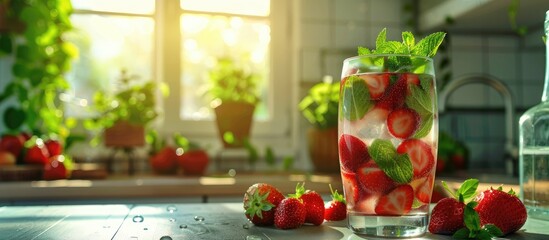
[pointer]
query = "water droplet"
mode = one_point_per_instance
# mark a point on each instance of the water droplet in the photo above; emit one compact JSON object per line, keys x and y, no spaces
{"x":166,"y":238}
{"x":145,"y":229}
{"x":246,"y":226}
{"x":138,"y":218}
{"x":253,"y":237}
{"x":171,"y":208}
{"x":182,"y":226}
{"x":232,"y":172}
{"x":171,"y":219}
{"x":199,"y":218}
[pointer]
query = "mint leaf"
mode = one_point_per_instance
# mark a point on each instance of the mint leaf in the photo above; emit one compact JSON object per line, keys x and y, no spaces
{"x":356,"y":98}
{"x":381,"y":38}
{"x":468,"y":188}
{"x":493,"y":230}
{"x":471,"y":219}
{"x":428,"y":46}
{"x":364,"y":51}
{"x":425,"y":126}
{"x":461,"y":234}
{"x":408,"y":40}
{"x":420,"y":100}
{"x":397,"y":166}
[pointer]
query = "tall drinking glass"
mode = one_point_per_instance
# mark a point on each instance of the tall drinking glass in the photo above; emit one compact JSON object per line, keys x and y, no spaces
{"x":388,"y":136}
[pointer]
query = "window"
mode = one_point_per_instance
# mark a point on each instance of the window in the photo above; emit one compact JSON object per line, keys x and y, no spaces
{"x":177,"y":42}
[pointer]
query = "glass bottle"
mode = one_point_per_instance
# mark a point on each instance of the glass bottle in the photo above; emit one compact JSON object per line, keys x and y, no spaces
{"x":534,"y":150}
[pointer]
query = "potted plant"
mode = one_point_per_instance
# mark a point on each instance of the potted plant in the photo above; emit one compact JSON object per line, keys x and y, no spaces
{"x":320,"y":108}
{"x":233,"y":90}
{"x":124,"y":115}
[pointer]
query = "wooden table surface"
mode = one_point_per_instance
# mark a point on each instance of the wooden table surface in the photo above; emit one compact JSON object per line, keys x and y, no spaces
{"x":173,"y":221}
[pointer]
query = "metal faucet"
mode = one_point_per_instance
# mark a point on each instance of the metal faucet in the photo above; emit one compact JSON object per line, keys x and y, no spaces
{"x":510,"y":147}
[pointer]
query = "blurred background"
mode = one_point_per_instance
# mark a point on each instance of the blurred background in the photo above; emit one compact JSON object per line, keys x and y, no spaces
{"x":126,"y":86}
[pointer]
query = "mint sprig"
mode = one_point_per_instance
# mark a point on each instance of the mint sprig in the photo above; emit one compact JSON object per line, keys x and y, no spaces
{"x":397,"y":166}
{"x":426,"y":47}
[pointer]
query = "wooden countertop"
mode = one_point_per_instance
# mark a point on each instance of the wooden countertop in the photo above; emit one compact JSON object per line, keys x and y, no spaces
{"x":176,"y":221}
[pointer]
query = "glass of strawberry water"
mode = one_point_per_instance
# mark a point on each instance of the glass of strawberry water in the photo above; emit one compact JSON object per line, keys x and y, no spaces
{"x":388,"y":135}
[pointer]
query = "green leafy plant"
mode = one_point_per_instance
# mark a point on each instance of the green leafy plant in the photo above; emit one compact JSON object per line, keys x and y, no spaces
{"x":320,"y":106}
{"x":133,"y":103}
{"x":233,"y":81}
{"x":402,"y":56}
{"x":41,"y":58}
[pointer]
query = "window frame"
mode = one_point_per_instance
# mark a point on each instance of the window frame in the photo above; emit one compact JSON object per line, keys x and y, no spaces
{"x":278,"y":130}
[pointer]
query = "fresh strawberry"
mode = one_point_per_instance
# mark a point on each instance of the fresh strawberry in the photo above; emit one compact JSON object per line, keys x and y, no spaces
{"x":377,"y":84}
{"x":423,"y":188}
{"x":12,"y":144}
{"x":397,"y":202}
{"x":54,"y":147}
{"x":403,"y":122}
{"x":395,"y":96}
{"x":37,"y":154}
{"x":502,"y":209}
{"x":336,"y":210}
{"x":447,"y":216}
{"x":55,"y":169}
{"x":441,"y":165}
{"x":351,"y":189}
{"x":314,"y":205}
{"x":290,"y":213}
{"x":260,"y":202}
{"x":373,"y":179}
{"x":165,"y":161}
{"x":193,"y":162}
{"x":420,"y":154}
{"x":352,"y":152}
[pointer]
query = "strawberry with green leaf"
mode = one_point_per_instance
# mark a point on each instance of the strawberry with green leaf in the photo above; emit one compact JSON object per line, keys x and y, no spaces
{"x":490,"y":209}
{"x":336,"y":210}
{"x":260,"y":202}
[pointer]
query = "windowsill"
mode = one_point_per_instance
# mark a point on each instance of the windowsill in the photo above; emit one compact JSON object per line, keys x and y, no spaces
{"x":120,"y":187}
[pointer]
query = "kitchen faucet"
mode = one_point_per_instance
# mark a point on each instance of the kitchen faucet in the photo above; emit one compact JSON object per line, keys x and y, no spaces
{"x":510,"y":147}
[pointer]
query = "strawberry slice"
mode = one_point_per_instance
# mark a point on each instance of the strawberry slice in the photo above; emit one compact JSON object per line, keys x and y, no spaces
{"x":420,"y":154}
{"x":377,"y":84}
{"x":403,"y":122}
{"x":373,"y":179}
{"x":412,"y":79}
{"x":397,"y":202}
{"x":367,"y":204}
{"x":350,"y":188}
{"x":352,"y":152}
{"x":396,"y":95}
{"x":423,"y":188}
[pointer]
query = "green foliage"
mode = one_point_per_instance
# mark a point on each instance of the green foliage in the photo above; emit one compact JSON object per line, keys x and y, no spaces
{"x":41,"y":58}
{"x":426,"y":47}
{"x":320,"y":106}
{"x":233,"y":81}
{"x":133,"y":103}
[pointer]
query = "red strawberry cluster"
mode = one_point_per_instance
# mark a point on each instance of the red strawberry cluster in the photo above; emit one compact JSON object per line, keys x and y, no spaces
{"x":491,"y":213}
{"x":33,"y":150}
{"x":265,"y":205}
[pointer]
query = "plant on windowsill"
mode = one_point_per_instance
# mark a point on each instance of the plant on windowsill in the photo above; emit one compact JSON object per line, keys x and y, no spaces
{"x":320,"y":108}
{"x":124,"y":115}
{"x":233,"y":90}
{"x":31,"y":32}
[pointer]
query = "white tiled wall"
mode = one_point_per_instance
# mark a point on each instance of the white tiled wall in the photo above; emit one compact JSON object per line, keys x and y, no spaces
{"x":332,"y":29}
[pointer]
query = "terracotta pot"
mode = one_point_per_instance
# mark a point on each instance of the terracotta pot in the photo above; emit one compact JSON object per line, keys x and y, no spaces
{"x":235,"y":117}
{"x":323,"y":149}
{"x":124,"y":134}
